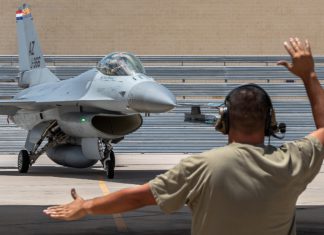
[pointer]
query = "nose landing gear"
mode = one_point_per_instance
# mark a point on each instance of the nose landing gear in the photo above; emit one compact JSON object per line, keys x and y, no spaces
{"x":109,"y":163}
{"x":107,"y":157}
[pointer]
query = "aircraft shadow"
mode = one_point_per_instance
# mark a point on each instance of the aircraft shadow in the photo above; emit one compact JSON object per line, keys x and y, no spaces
{"x":150,"y":220}
{"x":310,"y":219}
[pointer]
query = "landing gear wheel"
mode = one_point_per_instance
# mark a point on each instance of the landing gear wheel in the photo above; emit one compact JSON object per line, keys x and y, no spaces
{"x":111,"y":165}
{"x":23,"y":161}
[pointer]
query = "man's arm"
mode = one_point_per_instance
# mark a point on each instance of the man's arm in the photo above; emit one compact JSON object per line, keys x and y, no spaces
{"x":117,"y":202}
{"x":303,"y":66}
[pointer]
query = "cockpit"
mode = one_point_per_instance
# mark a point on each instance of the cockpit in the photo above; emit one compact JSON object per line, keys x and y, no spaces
{"x":120,"y":64}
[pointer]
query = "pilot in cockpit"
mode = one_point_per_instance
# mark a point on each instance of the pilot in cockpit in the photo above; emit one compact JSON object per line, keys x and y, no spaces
{"x":117,"y":67}
{"x":120,"y":64}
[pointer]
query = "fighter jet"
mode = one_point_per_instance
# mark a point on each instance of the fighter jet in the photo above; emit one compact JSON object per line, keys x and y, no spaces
{"x":77,"y":121}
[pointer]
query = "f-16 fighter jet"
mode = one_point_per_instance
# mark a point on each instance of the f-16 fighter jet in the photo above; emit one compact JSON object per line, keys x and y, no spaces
{"x":76,"y":121}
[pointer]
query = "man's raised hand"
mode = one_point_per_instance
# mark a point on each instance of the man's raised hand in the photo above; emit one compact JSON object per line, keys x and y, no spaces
{"x":302,"y":60}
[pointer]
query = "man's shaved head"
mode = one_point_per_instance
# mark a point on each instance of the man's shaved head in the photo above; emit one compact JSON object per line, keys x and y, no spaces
{"x":248,"y":109}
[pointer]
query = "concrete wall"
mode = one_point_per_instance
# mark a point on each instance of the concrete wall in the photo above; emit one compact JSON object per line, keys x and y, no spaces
{"x":229,"y":27}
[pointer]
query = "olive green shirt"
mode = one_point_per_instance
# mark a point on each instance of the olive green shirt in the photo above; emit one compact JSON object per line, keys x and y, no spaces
{"x":241,"y":188}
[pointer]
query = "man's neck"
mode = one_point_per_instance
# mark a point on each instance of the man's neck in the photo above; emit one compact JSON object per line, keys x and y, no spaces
{"x":253,"y":139}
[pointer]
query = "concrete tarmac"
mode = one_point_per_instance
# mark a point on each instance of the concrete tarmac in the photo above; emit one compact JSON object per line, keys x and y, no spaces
{"x":24,"y":196}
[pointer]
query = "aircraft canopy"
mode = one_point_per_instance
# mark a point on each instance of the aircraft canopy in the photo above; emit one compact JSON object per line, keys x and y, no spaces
{"x":120,"y":64}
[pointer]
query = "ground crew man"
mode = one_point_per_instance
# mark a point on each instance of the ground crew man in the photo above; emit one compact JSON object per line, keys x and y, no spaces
{"x":245,"y":187}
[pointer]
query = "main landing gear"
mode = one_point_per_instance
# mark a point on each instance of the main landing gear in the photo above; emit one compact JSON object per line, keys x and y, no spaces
{"x":27,"y":158}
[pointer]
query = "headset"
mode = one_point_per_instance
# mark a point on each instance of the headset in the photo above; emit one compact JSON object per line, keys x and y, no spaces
{"x":271,"y":126}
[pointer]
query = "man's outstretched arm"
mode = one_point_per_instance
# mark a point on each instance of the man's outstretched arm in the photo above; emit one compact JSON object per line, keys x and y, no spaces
{"x":303,"y":66}
{"x":117,"y":202}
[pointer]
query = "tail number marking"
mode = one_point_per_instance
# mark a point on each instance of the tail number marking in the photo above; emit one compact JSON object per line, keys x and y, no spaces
{"x":35,"y":62}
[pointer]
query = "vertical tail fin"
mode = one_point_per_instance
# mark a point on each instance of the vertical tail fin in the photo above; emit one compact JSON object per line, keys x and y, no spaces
{"x":31,"y":60}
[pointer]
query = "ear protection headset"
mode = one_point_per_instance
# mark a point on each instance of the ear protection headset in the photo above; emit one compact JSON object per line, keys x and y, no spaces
{"x":271,"y":126}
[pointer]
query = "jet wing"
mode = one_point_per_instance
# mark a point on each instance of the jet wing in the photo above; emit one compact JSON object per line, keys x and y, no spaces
{"x":10,"y":107}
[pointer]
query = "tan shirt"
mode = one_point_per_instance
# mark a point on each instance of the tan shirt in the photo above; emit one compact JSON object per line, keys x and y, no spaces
{"x":240,"y":188}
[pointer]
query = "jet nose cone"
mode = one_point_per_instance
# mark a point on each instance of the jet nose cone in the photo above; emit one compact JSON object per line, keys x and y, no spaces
{"x":151,"y":97}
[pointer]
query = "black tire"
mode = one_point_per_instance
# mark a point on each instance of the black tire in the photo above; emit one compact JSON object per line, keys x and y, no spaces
{"x":111,"y":166}
{"x":23,"y":161}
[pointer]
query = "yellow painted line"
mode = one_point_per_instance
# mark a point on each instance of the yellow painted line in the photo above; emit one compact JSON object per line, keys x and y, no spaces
{"x":119,"y":221}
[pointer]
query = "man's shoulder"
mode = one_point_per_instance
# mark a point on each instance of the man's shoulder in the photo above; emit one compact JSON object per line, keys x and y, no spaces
{"x":307,"y":146}
{"x":307,"y":141}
